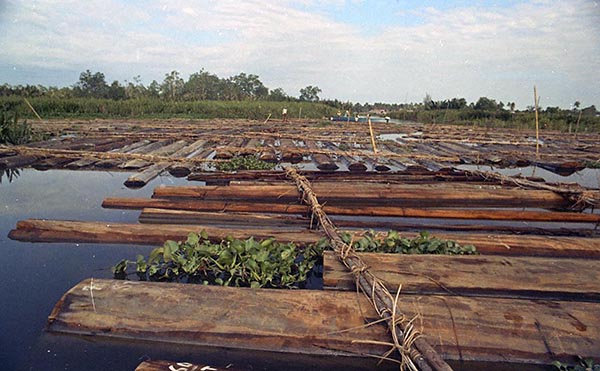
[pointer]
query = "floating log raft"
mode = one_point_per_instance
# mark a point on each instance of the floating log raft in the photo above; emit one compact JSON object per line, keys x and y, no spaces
{"x":492,"y":276}
{"x":474,"y":329}
{"x":419,"y":148}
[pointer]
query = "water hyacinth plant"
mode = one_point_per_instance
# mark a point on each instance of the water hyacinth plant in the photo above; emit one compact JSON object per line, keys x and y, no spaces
{"x":267,"y":263}
{"x":232,"y":262}
{"x":243,"y":163}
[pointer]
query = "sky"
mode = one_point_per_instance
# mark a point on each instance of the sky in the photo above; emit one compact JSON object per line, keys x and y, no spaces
{"x":392,"y":51}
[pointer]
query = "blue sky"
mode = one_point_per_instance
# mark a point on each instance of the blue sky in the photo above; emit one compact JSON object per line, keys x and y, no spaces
{"x":365,"y":51}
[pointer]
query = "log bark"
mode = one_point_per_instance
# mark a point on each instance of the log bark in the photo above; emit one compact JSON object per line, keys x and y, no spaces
{"x":486,"y":276}
{"x":165,"y":216}
{"x":376,"y":211}
{"x":309,"y":322}
{"x":142,"y":178}
{"x":409,"y":195}
{"x":36,"y":230}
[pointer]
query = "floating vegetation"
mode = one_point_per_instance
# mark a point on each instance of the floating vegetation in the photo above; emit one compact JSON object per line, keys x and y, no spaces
{"x":585,"y":364}
{"x":395,"y":244}
{"x":592,"y":164}
{"x":250,"y":162}
{"x":13,"y":132}
{"x":266,"y":263}
{"x":232,"y":262}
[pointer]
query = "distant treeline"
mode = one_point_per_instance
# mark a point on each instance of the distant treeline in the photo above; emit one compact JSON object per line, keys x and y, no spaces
{"x":201,"y":85}
{"x":205,"y":95}
{"x":488,"y":112}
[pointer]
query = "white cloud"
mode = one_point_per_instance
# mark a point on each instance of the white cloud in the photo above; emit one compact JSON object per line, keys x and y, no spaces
{"x":468,"y":51}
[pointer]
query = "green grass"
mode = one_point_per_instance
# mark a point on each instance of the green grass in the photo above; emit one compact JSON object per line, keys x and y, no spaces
{"x":154,"y":108}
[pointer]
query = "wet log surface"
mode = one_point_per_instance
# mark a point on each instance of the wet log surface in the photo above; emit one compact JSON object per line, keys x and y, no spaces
{"x":494,"y":276}
{"x":480,"y":329}
{"x":273,"y":320}
{"x":426,"y":195}
{"x":38,"y":230}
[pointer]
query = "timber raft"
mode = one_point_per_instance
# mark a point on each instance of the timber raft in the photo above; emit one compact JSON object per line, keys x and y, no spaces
{"x":531,"y":296}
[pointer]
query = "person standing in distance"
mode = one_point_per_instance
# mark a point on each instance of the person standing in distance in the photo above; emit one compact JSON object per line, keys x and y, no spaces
{"x":284,"y":114}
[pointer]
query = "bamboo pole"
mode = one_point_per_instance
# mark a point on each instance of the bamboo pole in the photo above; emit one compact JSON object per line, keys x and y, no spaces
{"x":267,"y":120}
{"x":415,"y":351}
{"x":32,"y":109}
{"x":372,"y":136}
{"x":537,"y":126}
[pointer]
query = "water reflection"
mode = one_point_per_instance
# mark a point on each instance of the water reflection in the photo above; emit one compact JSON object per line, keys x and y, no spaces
{"x":10,"y":175}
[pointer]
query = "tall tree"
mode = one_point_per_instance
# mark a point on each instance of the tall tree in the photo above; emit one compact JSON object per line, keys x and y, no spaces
{"x":172,"y":86}
{"x":202,"y":85}
{"x":277,"y":95}
{"x":91,"y":85}
{"x":250,"y":86}
{"x":310,"y":93}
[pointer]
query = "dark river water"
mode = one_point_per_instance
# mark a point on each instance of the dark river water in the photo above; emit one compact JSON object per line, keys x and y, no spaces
{"x":33,"y":277}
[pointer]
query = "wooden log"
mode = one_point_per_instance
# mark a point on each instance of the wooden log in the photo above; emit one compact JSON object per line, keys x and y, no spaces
{"x":251,"y":147}
{"x":227,"y":152}
{"x":189,"y":149}
{"x":131,"y":147}
{"x":169,"y":149}
{"x":166,"y":216}
{"x":409,"y":195}
{"x":378,"y":211}
{"x":507,"y":330}
{"x":289,"y":152}
{"x":268,"y":152}
{"x":140,"y":179}
{"x":134,"y":164}
{"x":18,"y":161}
{"x":51,"y":163}
{"x":309,"y":321}
{"x":490,"y":276}
{"x":323,"y":162}
{"x":353,"y":164}
{"x":170,"y":216}
{"x":306,"y":321}
{"x":84,"y":162}
{"x":35,"y":230}
{"x":149,"y":149}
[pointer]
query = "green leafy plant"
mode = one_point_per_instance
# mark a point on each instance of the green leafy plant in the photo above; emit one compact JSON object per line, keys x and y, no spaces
{"x":13,"y":132}
{"x":232,"y":262}
{"x":266,"y":263}
{"x":243,"y":163}
{"x":585,"y":364}
{"x":593,"y":164}
{"x":393,"y":242}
